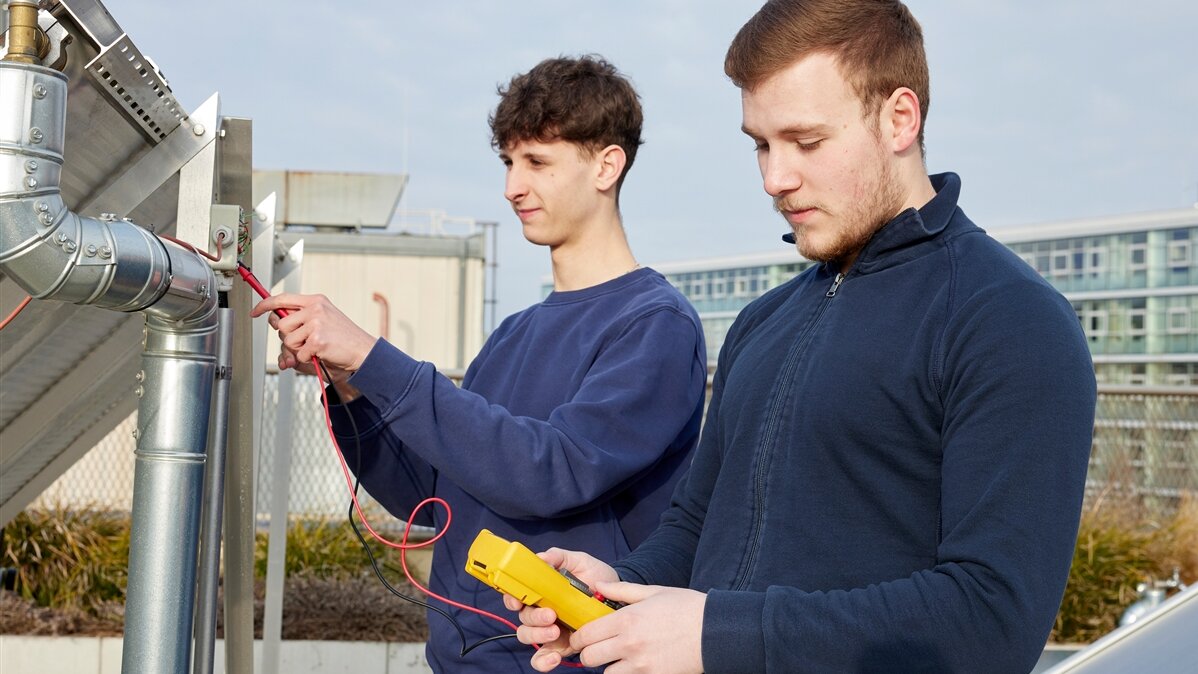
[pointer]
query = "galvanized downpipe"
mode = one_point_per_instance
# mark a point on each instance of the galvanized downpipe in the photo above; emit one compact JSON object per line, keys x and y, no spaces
{"x":55,"y":254}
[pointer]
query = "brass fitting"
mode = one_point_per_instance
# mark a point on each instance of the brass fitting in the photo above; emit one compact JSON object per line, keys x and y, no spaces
{"x":26,"y":41}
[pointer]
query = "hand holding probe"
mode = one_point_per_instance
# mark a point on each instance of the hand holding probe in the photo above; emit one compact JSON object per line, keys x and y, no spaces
{"x":248,"y":277}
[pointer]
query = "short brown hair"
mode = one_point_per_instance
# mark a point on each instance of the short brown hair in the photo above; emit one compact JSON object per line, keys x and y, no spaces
{"x":877,"y":43}
{"x":583,"y":100}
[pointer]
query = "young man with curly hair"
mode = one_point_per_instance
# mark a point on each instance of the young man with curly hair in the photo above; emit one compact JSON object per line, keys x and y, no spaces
{"x":594,"y":395}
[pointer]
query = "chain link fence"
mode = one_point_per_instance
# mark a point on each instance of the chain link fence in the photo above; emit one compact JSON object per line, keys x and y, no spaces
{"x":317,"y":485}
{"x":1145,"y":453}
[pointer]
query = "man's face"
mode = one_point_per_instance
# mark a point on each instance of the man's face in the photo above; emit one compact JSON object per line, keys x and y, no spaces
{"x":825,"y":166}
{"x":551,"y":187}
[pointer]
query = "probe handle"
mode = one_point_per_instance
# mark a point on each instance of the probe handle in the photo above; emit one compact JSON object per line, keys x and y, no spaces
{"x":248,"y":277}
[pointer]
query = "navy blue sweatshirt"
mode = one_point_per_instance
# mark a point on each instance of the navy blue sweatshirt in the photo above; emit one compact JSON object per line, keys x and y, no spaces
{"x":891,"y":472}
{"x":571,"y":429}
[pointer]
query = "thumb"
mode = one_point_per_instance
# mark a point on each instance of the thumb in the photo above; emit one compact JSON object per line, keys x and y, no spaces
{"x":627,"y":593}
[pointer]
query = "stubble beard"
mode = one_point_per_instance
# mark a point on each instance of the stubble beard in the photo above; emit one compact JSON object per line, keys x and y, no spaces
{"x":861,"y":219}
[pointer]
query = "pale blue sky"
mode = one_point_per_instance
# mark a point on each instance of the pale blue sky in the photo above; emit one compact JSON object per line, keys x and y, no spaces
{"x":1047,"y":110}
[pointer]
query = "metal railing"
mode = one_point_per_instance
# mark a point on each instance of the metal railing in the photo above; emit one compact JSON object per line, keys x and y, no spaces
{"x":1145,"y":452}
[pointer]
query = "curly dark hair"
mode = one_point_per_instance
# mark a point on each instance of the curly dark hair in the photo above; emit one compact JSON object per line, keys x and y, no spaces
{"x":583,"y":100}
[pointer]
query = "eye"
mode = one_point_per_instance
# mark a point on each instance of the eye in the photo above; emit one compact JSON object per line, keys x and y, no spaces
{"x":809,"y":146}
{"x":761,"y":146}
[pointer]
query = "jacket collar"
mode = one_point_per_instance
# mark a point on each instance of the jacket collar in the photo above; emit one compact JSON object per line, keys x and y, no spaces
{"x":913,"y":233}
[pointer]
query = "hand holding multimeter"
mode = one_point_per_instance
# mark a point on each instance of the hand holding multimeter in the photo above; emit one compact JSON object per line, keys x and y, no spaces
{"x":511,"y":568}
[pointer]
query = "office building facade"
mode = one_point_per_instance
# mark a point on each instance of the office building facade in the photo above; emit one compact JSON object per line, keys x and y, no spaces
{"x":1133,"y":281}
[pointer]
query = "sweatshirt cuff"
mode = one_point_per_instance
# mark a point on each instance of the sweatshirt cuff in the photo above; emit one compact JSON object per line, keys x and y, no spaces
{"x":357,"y":418}
{"x":628,"y":574}
{"x":386,"y":375}
{"x":732,"y":637}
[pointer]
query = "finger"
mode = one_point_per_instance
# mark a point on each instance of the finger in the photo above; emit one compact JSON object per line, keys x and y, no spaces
{"x":628,"y":593}
{"x":300,"y":342}
{"x":556,"y":557}
{"x":596,"y":631}
{"x":261,"y":308}
{"x":546,"y":660}
{"x":535,"y":616}
{"x":511,"y":603}
{"x":531,"y":635}
{"x":268,"y":305}
{"x":601,"y":653}
{"x":288,"y":301}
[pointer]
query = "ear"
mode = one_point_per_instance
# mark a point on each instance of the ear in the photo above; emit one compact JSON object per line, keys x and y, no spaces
{"x":901,"y":120}
{"x":610,"y":161}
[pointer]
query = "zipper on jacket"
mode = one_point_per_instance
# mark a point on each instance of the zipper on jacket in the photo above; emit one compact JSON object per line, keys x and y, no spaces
{"x":769,"y":437}
{"x":835,"y":285}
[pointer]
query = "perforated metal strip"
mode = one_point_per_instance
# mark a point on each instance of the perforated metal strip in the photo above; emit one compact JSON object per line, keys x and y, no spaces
{"x":133,"y":82}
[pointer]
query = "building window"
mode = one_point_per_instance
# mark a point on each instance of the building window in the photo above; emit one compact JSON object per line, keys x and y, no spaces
{"x":1178,"y":320}
{"x":1182,"y":374}
{"x":1137,"y":321}
{"x":1139,"y":374}
{"x":1096,"y":323}
{"x":1060,"y":263}
{"x":1137,"y":257}
{"x":1179,"y":253}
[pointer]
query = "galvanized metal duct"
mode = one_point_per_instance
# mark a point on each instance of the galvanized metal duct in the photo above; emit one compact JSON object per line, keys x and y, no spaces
{"x":55,"y":254}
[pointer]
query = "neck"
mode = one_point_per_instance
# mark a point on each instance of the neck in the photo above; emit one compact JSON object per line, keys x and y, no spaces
{"x":587,"y":261}
{"x":917,"y":191}
{"x":921,"y":193}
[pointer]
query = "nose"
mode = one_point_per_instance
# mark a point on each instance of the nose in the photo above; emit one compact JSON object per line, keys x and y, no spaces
{"x":779,"y":172}
{"x":514,"y":187}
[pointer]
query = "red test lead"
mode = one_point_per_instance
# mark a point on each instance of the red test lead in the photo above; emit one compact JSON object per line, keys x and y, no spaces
{"x":248,"y":277}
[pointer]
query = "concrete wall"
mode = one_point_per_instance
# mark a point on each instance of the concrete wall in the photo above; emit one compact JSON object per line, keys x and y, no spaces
{"x":68,"y":655}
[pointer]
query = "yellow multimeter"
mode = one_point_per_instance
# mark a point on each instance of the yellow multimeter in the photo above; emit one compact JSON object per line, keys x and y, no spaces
{"x":514,"y":569}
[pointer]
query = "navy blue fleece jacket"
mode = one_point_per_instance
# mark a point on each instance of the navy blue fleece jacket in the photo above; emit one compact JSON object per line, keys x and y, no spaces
{"x":571,"y":428}
{"x":891,"y":472}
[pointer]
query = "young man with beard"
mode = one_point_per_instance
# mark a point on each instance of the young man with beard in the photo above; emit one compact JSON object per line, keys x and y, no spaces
{"x":595,"y":394}
{"x":891,"y":472}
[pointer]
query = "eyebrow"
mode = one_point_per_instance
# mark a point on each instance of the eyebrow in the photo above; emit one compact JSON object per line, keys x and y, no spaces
{"x":793,"y":130}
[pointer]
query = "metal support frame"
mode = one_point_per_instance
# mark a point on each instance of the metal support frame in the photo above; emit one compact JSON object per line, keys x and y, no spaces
{"x":272,"y":623}
{"x":271,"y":266}
{"x":166,"y":159}
{"x":235,"y":188}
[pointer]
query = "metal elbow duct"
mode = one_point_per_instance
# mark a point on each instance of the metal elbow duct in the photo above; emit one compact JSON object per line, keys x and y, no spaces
{"x":55,"y":254}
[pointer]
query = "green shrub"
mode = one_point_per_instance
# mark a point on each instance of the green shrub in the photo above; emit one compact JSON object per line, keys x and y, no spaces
{"x":75,"y":559}
{"x":1116,"y":551}
{"x":323,"y":549}
{"x":78,"y":559}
